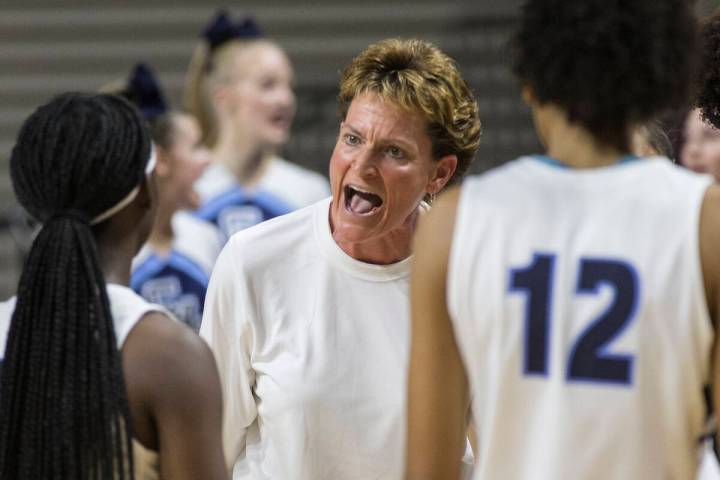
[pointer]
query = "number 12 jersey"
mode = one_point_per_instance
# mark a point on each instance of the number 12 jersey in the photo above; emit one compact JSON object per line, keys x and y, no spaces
{"x":578,"y":306}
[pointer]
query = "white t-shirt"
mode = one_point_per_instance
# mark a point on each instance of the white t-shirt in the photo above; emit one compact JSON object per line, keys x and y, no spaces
{"x":578,"y":303}
{"x":312,"y":348}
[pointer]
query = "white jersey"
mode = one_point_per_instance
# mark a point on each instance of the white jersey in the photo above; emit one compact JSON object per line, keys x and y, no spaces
{"x":126,"y":308}
{"x":231,"y":207}
{"x":578,"y":304}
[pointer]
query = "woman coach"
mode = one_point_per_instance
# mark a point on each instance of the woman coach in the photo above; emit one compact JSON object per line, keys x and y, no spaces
{"x":307,"y":314}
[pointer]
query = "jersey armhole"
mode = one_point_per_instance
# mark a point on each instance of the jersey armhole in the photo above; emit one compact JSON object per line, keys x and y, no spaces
{"x":454,"y":284}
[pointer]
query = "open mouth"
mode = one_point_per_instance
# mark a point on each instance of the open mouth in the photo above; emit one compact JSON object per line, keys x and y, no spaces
{"x":361,"y":202}
{"x":281,"y":119}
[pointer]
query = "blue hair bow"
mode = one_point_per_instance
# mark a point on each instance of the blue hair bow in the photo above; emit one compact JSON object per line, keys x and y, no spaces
{"x":222,"y":29}
{"x":145,"y":92}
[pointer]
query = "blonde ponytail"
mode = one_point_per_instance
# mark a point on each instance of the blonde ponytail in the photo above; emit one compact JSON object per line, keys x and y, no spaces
{"x":196,"y":97}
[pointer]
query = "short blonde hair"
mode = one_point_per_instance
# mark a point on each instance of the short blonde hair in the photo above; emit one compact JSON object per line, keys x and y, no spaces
{"x":418,"y":76}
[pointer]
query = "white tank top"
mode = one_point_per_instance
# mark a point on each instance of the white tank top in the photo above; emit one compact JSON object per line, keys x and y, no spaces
{"x":127,"y":308}
{"x":578,"y":304}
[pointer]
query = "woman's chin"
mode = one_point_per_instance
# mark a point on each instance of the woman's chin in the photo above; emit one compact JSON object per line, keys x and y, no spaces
{"x":275,"y":139}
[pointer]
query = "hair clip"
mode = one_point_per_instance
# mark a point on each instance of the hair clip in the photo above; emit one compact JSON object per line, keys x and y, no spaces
{"x":144,"y":91}
{"x":222,"y":29}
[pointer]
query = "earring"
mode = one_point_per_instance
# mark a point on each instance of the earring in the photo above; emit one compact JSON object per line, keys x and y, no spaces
{"x":432,"y":197}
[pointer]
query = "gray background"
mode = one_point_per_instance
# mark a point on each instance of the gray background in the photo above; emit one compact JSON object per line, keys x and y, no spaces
{"x":47,"y":47}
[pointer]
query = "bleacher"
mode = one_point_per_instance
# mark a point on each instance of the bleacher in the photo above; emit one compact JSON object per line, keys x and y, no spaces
{"x":50,"y":46}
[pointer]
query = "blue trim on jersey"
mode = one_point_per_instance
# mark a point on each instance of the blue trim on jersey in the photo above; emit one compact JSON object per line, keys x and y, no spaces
{"x":187,"y":265}
{"x":154,"y":265}
{"x":212,"y":208}
{"x":554,"y":162}
{"x":174,"y":281}
{"x":271,"y":205}
{"x":147,"y":269}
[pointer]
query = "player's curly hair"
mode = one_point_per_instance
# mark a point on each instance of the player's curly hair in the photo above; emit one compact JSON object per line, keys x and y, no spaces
{"x":709,"y":78}
{"x":607,"y":63}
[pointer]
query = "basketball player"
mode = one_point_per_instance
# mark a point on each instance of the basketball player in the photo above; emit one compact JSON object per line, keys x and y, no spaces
{"x":570,"y":297}
{"x":240,"y":89}
{"x":97,"y":383}
{"x":173,"y":268}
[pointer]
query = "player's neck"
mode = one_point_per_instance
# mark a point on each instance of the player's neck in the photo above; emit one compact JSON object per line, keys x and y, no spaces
{"x":116,"y":257}
{"x":575,"y":148}
{"x":572,"y":144}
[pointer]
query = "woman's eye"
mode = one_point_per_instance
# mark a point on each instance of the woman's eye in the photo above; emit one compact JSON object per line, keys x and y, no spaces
{"x":395,"y":152}
{"x":351,"y":139}
{"x":267,"y":84}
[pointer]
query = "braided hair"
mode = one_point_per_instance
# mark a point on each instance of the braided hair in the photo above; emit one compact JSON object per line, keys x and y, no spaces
{"x":64,"y":410}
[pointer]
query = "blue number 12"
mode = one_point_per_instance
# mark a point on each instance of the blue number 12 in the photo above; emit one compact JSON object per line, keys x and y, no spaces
{"x":589,"y":359}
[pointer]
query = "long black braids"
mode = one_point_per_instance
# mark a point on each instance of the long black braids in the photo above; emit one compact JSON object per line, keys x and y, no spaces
{"x":63,"y":405}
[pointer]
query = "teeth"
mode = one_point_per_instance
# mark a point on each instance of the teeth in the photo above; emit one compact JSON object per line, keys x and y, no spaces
{"x":361,"y":190}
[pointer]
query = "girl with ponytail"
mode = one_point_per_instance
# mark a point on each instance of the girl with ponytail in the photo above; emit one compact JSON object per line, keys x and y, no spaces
{"x":239,"y":87}
{"x":96,"y":383}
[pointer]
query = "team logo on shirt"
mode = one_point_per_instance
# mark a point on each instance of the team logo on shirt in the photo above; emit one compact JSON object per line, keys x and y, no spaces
{"x":167,"y":291}
{"x":233,"y":219}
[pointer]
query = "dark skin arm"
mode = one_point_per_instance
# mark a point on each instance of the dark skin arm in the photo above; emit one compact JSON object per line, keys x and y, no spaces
{"x":438,"y":390}
{"x":710,"y":256}
{"x":175,"y":398}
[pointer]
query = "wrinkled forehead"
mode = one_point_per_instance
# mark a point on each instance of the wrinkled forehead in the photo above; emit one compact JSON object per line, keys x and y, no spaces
{"x":372,"y":115}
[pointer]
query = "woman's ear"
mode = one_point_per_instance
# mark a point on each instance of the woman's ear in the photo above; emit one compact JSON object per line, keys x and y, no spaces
{"x":222,"y":99}
{"x":444,"y":171}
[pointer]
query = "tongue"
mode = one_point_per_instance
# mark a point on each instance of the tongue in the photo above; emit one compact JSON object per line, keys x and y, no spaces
{"x":360,"y":204}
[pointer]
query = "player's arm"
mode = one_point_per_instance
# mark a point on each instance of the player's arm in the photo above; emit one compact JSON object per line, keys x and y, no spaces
{"x":437,"y":390}
{"x":710,"y":255}
{"x":173,"y":372}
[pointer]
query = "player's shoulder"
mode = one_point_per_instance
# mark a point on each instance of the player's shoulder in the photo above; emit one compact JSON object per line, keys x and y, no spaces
{"x":300,"y":186}
{"x":710,"y":217}
{"x":286,"y":170}
{"x":214,"y":180}
{"x":162,"y":353}
{"x":507,"y":172}
{"x":197,"y":239}
{"x":185,"y":222}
